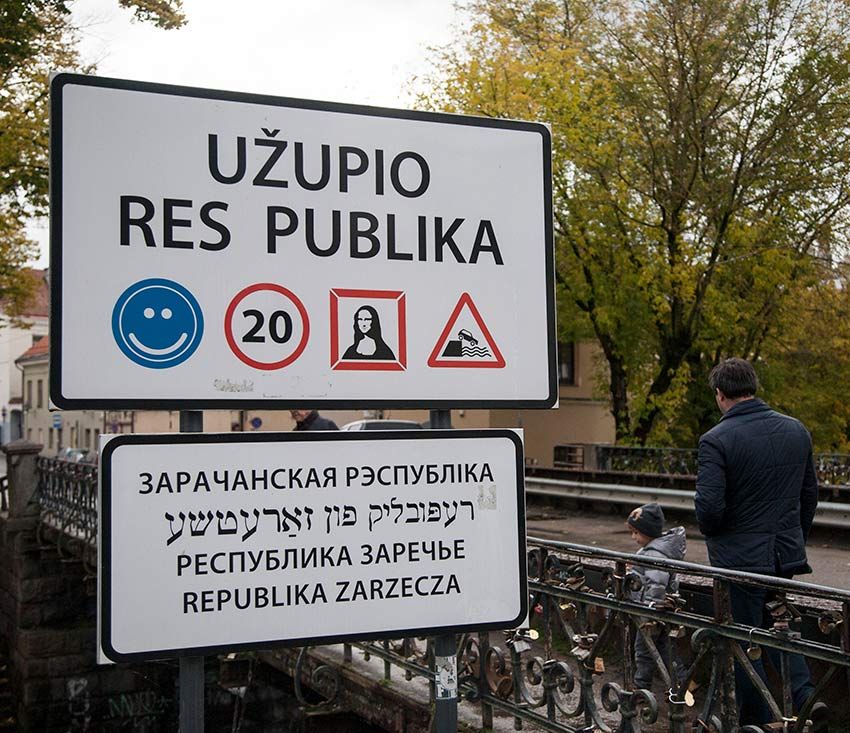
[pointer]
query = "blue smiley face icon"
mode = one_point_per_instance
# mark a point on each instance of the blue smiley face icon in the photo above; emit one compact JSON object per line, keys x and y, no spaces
{"x":157,"y":323}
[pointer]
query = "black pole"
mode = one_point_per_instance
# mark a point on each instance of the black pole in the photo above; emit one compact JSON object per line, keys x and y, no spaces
{"x":441,"y":420}
{"x":445,"y":647}
{"x":191,"y":668}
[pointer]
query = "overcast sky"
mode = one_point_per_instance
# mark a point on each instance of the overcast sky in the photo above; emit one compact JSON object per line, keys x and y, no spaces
{"x":357,"y":51}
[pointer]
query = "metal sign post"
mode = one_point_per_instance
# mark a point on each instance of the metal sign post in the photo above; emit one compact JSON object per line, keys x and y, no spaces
{"x":191,"y":668}
{"x":191,"y":695}
{"x":445,"y":646}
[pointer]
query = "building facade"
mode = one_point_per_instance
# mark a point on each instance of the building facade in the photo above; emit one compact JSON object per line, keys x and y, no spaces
{"x":580,"y":417}
{"x":17,"y":335}
{"x":14,"y":341}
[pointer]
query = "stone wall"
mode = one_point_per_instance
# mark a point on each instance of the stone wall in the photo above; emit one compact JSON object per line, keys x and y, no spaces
{"x":48,"y":627}
{"x":48,"y":641}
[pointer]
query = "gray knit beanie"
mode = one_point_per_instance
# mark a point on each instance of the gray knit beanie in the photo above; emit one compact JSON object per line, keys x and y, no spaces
{"x":648,"y":519}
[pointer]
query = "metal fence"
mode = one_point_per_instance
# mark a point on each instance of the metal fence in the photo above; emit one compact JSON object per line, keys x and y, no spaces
{"x":834,"y":514}
{"x":833,"y":469}
{"x":67,"y":495}
{"x":573,"y":671}
{"x":633,"y":459}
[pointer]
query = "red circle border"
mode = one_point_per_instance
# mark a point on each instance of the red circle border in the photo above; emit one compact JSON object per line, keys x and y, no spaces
{"x":228,"y":326}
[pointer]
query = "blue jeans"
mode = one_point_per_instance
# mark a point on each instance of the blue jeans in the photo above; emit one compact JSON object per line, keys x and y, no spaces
{"x":748,"y":608}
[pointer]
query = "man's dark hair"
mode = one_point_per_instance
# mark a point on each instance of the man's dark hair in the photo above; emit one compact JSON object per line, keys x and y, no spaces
{"x":734,"y":377}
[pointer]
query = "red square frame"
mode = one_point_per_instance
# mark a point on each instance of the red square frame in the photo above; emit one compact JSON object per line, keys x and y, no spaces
{"x":337,"y":364}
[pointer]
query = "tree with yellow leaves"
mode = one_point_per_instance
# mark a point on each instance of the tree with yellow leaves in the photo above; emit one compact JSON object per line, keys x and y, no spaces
{"x":36,"y":38}
{"x":701,"y":159}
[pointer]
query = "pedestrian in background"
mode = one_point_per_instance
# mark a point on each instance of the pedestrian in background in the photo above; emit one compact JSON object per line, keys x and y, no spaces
{"x":646,"y":524}
{"x":755,"y":502}
{"x":311,"y":420}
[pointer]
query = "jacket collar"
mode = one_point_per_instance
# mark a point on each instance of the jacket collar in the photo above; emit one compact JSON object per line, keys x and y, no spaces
{"x":308,"y":421}
{"x":746,"y":407}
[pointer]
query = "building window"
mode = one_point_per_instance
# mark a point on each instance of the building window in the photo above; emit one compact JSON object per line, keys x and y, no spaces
{"x":29,"y":393}
{"x":29,"y":434}
{"x":567,"y":363}
{"x":40,"y":393}
{"x":50,"y":438}
{"x":96,"y":436}
{"x":88,"y":439}
{"x":59,"y":439}
{"x":72,"y":442}
{"x":41,"y":436}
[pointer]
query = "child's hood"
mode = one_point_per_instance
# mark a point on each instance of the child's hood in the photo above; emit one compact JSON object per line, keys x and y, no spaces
{"x":671,"y":544}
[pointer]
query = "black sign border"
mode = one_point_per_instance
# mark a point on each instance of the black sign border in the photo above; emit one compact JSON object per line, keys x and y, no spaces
{"x":105,"y":567}
{"x":57,"y":86}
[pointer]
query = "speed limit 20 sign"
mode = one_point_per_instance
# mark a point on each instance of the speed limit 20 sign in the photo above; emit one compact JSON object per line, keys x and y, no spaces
{"x":213,"y":249}
{"x":278,"y":329}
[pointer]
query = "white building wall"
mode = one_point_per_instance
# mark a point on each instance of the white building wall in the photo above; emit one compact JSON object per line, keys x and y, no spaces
{"x":14,"y":341}
{"x":60,"y":429}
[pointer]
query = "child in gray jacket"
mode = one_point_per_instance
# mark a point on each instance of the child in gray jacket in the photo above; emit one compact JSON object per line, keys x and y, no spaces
{"x":646,"y":523}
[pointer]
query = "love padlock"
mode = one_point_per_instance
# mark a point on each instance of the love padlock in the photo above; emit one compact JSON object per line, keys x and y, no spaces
{"x":753,"y":650}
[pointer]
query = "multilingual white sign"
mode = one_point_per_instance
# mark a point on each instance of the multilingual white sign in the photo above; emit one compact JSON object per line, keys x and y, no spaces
{"x":213,"y":249}
{"x":213,"y":542}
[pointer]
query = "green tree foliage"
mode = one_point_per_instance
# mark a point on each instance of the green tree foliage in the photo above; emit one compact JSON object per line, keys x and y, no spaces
{"x":36,"y":38}
{"x":805,"y":369}
{"x":165,"y":14}
{"x":700,"y":169}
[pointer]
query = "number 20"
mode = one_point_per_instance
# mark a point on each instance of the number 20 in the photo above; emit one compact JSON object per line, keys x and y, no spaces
{"x":253,"y":335}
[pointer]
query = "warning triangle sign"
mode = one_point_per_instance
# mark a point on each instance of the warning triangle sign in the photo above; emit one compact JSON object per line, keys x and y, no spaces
{"x":465,"y":342}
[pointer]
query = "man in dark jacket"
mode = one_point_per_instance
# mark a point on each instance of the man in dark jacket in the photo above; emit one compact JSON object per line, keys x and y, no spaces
{"x":755,"y":501}
{"x":311,"y":420}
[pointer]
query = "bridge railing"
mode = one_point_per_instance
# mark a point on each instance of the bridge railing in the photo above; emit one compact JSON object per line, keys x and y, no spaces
{"x":67,"y":495}
{"x":573,"y":670}
{"x":636,"y":459}
{"x":833,"y":469}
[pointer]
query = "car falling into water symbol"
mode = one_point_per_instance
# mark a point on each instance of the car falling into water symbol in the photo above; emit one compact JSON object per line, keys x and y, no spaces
{"x":465,"y":335}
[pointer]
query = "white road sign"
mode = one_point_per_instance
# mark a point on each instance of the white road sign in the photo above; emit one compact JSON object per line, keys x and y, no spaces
{"x":242,"y":541}
{"x":213,"y":249}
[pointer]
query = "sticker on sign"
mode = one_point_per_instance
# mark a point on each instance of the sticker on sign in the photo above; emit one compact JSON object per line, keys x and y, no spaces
{"x":312,"y":250}
{"x":240,"y":541}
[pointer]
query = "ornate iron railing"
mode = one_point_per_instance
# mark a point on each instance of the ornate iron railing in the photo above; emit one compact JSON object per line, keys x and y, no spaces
{"x":833,"y":469}
{"x":577,"y":676}
{"x":635,"y":459}
{"x":67,"y":494}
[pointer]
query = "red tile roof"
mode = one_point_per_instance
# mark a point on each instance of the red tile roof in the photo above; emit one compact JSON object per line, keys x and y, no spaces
{"x":39,"y":349}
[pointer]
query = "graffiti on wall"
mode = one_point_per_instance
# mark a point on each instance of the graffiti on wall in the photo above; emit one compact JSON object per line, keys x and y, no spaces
{"x":142,"y":710}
